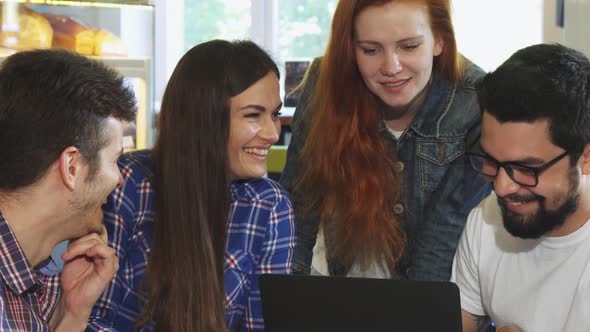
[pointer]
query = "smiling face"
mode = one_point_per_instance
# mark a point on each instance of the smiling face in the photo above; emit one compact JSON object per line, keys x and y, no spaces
{"x":254,"y":127}
{"x":95,"y":188}
{"x":395,"y":49}
{"x":530,"y":212}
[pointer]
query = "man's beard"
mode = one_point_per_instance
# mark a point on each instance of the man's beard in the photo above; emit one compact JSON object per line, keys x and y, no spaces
{"x":88,"y":211}
{"x":543,"y":221}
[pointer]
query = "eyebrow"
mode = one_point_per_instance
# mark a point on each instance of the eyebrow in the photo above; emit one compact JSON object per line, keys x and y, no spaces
{"x":405,"y":40}
{"x":415,"y":38}
{"x":259,"y":107}
{"x":530,"y":161}
{"x":254,"y":106}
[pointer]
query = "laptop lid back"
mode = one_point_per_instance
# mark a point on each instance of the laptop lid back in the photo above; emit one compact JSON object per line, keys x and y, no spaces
{"x":314,"y":303}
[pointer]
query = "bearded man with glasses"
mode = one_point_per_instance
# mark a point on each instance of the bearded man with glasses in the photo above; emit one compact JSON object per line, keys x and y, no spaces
{"x":523,"y":260}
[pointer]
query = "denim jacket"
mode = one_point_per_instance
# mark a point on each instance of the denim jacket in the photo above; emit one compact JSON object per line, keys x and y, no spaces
{"x":439,"y":187}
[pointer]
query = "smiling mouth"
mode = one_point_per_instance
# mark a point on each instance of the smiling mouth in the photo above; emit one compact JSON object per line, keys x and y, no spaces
{"x":396,"y":84}
{"x":517,"y":204}
{"x":258,"y":152}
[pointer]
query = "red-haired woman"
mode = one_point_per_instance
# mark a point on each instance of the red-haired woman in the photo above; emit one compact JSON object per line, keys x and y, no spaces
{"x":376,"y":165}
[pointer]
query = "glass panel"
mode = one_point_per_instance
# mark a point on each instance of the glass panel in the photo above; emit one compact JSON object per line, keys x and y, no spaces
{"x":120,"y":35}
{"x":89,"y":30}
{"x":215,"y":19}
{"x":304,"y":27}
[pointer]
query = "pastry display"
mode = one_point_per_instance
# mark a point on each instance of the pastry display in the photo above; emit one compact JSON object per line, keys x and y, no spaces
{"x":107,"y":44}
{"x":71,"y":34}
{"x":23,"y":29}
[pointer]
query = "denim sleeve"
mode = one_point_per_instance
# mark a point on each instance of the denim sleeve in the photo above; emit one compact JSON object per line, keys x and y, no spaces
{"x":306,"y":227}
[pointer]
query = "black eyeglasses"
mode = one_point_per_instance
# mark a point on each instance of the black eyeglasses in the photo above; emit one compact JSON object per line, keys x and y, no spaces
{"x":523,"y":175}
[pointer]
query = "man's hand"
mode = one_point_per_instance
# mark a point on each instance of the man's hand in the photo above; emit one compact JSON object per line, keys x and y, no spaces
{"x":473,"y":323}
{"x":507,"y":329}
{"x":89,"y":266}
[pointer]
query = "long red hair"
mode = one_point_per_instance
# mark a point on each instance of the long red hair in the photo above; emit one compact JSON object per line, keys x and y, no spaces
{"x":350,"y":177}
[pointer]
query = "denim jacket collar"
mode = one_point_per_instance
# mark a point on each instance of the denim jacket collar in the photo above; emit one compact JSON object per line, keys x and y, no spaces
{"x":428,"y":122}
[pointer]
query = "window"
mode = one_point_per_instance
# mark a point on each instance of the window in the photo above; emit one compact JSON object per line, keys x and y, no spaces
{"x":215,"y":19}
{"x":293,"y":30}
{"x":488,"y":32}
{"x":290,"y":30}
{"x":304,"y":28}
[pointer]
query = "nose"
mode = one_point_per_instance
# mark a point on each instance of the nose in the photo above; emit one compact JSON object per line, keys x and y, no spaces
{"x":503,"y":184}
{"x":391,"y":65}
{"x":271,"y":130}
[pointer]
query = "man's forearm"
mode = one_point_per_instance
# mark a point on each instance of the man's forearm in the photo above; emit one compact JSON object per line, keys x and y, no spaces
{"x":474,"y":323}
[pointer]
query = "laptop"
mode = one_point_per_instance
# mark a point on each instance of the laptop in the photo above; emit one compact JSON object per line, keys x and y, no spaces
{"x":303,"y":303}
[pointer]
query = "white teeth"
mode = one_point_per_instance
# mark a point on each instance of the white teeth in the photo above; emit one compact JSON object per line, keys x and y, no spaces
{"x":516,"y":203}
{"x":260,"y":152}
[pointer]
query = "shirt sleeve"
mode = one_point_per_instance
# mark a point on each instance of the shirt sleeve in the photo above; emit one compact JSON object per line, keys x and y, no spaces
{"x":279,"y":240}
{"x":277,"y":250}
{"x":124,"y":210}
{"x":465,"y":271}
{"x":274,"y":256}
{"x":50,"y":295}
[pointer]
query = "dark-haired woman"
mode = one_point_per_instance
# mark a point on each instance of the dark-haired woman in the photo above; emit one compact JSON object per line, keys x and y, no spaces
{"x":195,"y":222}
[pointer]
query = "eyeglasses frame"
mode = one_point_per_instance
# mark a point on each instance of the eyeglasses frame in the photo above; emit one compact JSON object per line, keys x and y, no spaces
{"x":506,"y":166}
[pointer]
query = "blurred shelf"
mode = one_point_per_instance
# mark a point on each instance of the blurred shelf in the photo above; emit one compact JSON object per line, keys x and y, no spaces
{"x":89,"y":3}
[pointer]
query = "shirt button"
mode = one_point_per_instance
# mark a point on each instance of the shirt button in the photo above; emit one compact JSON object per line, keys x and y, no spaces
{"x":398,"y":209}
{"x":408,"y":271}
{"x":399,"y":167}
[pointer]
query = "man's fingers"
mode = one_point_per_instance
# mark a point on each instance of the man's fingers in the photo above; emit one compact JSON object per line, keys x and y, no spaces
{"x":104,"y":256}
{"x":91,"y":247}
{"x":91,"y":236}
{"x":104,"y":236}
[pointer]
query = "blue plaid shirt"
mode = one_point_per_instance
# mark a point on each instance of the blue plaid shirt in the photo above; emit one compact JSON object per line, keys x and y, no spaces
{"x":261,"y":238}
{"x":28,"y":296}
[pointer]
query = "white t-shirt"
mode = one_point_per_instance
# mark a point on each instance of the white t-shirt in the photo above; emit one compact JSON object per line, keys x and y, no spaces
{"x":534,"y":285}
{"x":319,"y":264}
{"x":396,"y":133}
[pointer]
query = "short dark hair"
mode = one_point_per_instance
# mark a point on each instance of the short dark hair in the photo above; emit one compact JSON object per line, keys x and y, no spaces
{"x":543,"y":81}
{"x":52,"y":99}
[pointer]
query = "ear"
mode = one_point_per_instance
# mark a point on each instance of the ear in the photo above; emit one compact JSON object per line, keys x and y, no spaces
{"x":70,"y":166}
{"x":439,"y":45}
{"x":585,"y":160}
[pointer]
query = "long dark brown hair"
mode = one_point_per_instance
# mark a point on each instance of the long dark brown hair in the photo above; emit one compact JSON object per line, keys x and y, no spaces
{"x":349,"y":176}
{"x":184,"y":281}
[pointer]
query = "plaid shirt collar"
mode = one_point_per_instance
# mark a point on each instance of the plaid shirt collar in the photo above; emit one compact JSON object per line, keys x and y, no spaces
{"x":15,"y":268}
